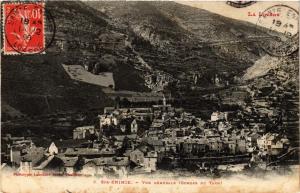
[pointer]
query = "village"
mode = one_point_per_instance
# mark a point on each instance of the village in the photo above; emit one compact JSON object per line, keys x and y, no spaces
{"x":129,"y":141}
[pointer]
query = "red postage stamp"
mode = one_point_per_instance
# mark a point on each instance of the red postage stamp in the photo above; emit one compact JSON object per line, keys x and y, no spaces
{"x":23,"y":28}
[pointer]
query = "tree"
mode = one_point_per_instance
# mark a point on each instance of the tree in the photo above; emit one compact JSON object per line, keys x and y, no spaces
{"x":125,"y":102}
{"x":117,"y":102}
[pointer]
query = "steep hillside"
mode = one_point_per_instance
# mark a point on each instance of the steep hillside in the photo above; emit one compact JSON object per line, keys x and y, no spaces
{"x":185,"y":41}
{"x":38,"y":84}
{"x":261,"y":67}
{"x":189,"y":46}
{"x":278,"y":88}
{"x":91,"y":38}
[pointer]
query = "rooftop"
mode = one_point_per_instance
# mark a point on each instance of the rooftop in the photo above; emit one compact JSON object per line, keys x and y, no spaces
{"x":110,"y":161}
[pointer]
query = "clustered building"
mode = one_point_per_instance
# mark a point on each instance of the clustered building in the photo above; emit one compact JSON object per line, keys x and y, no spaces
{"x":137,"y":140}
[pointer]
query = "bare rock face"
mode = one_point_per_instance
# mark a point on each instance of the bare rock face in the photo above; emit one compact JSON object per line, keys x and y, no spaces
{"x":177,"y":40}
{"x":261,"y":67}
{"x":151,"y":36}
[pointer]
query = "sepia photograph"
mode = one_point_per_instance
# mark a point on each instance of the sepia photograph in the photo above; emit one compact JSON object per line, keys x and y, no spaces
{"x":150,"y":96}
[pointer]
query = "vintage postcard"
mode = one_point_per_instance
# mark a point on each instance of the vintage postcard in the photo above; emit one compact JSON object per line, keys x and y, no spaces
{"x":150,"y":96}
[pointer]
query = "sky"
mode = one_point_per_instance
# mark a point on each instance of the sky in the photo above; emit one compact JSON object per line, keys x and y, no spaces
{"x":220,"y":7}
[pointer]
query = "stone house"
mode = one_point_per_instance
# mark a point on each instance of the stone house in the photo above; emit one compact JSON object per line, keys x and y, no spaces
{"x":241,"y":145}
{"x":31,"y":159}
{"x":129,"y":125}
{"x":272,"y":143}
{"x":137,"y":156}
{"x":157,"y":144}
{"x":52,"y":149}
{"x":251,"y":141}
{"x":105,"y":166}
{"x":170,"y":144}
{"x":145,"y":160}
{"x":41,"y":163}
{"x":108,"y":120}
{"x":150,"y":161}
{"x":134,"y":126}
{"x":70,"y":164}
{"x":215,"y":145}
{"x":157,"y":125}
{"x":89,"y":168}
{"x":193,"y":146}
{"x":83,"y":132}
{"x":232,"y":146}
{"x":217,"y":116}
